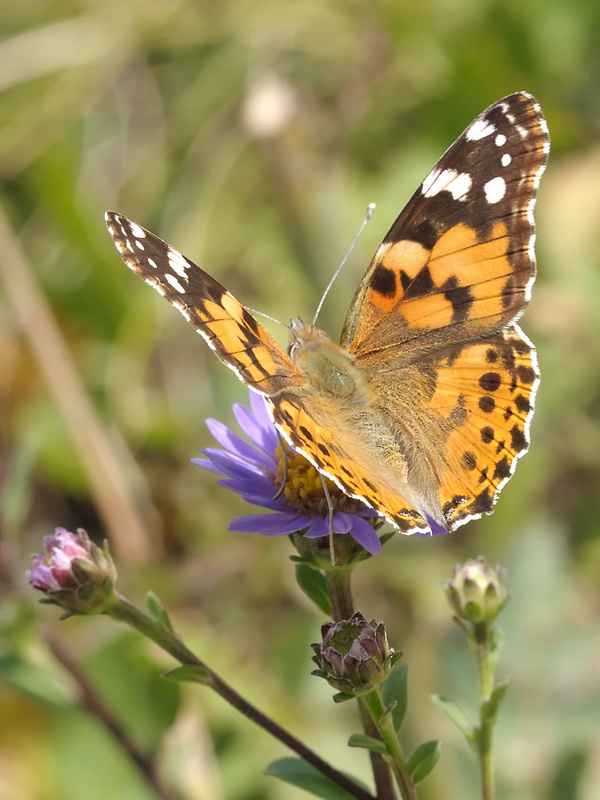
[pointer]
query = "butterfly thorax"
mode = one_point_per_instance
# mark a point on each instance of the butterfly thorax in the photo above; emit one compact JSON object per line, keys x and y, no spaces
{"x":329,"y":369}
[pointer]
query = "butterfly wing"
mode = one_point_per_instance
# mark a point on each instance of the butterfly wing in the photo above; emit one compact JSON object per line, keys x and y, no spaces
{"x":459,"y":261}
{"x":231,"y":331}
{"x":464,"y":413}
{"x":432,"y":322}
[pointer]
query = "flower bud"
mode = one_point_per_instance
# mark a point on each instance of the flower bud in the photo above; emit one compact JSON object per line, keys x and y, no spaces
{"x":74,"y":573}
{"x":477,"y":592}
{"x":354,"y":655}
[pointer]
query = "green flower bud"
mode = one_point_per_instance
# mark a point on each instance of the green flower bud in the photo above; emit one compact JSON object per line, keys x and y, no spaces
{"x":354,"y":655}
{"x":477,"y":593}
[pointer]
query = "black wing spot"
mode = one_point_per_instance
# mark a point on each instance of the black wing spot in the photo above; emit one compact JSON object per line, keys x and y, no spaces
{"x":502,"y":469}
{"x":487,"y":404}
{"x":490,"y":382}
{"x":459,"y":297}
{"x":522,"y":403}
{"x":526,"y":374}
{"x":483,"y":502}
{"x":422,"y":284}
{"x":469,"y":460}
{"x":383,"y":281}
{"x":306,"y":433}
{"x":405,"y":279}
{"x":424,"y":234}
{"x":487,"y":434}
{"x":518,"y":439}
{"x":250,"y":322}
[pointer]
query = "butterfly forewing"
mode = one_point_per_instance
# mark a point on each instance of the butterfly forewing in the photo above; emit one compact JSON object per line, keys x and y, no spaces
{"x":231,"y":331}
{"x":459,"y":260}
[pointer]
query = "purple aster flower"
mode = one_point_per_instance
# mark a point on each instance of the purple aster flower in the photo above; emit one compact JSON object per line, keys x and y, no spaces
{"x":254,"y":470}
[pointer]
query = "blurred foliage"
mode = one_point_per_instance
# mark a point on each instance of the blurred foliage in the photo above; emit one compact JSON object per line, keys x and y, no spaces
{"x":252,"y":135}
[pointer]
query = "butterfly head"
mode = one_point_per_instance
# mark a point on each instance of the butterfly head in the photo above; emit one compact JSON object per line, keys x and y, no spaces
{"x":303,"y":335}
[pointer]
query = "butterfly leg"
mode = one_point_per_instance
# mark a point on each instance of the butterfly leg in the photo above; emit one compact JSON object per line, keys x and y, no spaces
{"x":330,"y":513}
{"x":282,"y":445}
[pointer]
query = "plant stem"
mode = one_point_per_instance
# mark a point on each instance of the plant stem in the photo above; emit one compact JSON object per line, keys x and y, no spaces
{"x":342,"y":605}
{"x":125,"y":611}
{"x":385,"y":726}
{"x":485,"y":676}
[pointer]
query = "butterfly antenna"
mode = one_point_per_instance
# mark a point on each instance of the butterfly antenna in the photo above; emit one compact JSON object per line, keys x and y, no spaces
{"x":266,"y":316}
{"x":368,"y":215}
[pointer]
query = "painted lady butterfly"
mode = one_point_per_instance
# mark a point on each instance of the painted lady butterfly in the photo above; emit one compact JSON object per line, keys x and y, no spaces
{"x":424,"y":407}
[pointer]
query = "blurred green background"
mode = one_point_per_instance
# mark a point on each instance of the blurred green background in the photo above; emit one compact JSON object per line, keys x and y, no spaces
{"x":251,"y":136}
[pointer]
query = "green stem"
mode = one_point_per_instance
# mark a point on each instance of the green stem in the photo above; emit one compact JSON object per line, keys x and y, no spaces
{"x":385,"y":727}
{"x":124,"y":611}
{"x":485,"y":676}
{"x":342,"y":606}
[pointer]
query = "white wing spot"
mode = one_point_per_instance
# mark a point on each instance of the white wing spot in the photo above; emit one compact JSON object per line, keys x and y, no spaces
{"x":152,"y":263}
{"x":139,"y":245}
{"x":495,"y":190}
{"x":182,"y":309}
{"x":506,"y":159}
{"x":174,"y":283}
{"x":479,"y":130}
{"x":178,"y":263}
{"x":500,"y":140}
{"x":138,"y":232}
{"x":448,"y":180}
{"x":156,"y":286}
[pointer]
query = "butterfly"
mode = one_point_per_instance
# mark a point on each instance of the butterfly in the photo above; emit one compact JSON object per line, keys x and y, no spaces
{"x":423,"y":408}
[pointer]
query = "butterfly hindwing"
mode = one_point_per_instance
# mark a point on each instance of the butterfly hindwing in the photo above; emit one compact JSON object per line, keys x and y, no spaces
{"x":485,"y":391}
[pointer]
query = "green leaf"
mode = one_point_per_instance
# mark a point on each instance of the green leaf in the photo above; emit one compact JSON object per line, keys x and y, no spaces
{"x":341,"y":697}
{"x":394,"y":690}
{"x":489,"y":708}
{"x":313,"y":584}
{"x":368,"y":743}
{"x":157,"y":611}
{"x":423,"y":760}
{"x":300,"y":773}
{"x":189,"y":673}
{"x":456,"y":715}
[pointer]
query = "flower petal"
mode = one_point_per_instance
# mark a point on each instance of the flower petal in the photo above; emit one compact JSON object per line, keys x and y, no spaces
{"x":319,"y":526}
{"x":235,"y":444}
{"x":258,"y":427}
{"x":252,"y":485}
{"x":342,"y":523}
{"x":365,"y":534}
{"x":204,"y":463}
{"x":231,"y":465}
{"x":259,"y":500}
{"x":269,"y":524}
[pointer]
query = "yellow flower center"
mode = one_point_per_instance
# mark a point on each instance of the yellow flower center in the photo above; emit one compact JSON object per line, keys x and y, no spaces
{"x":303,"y":488}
